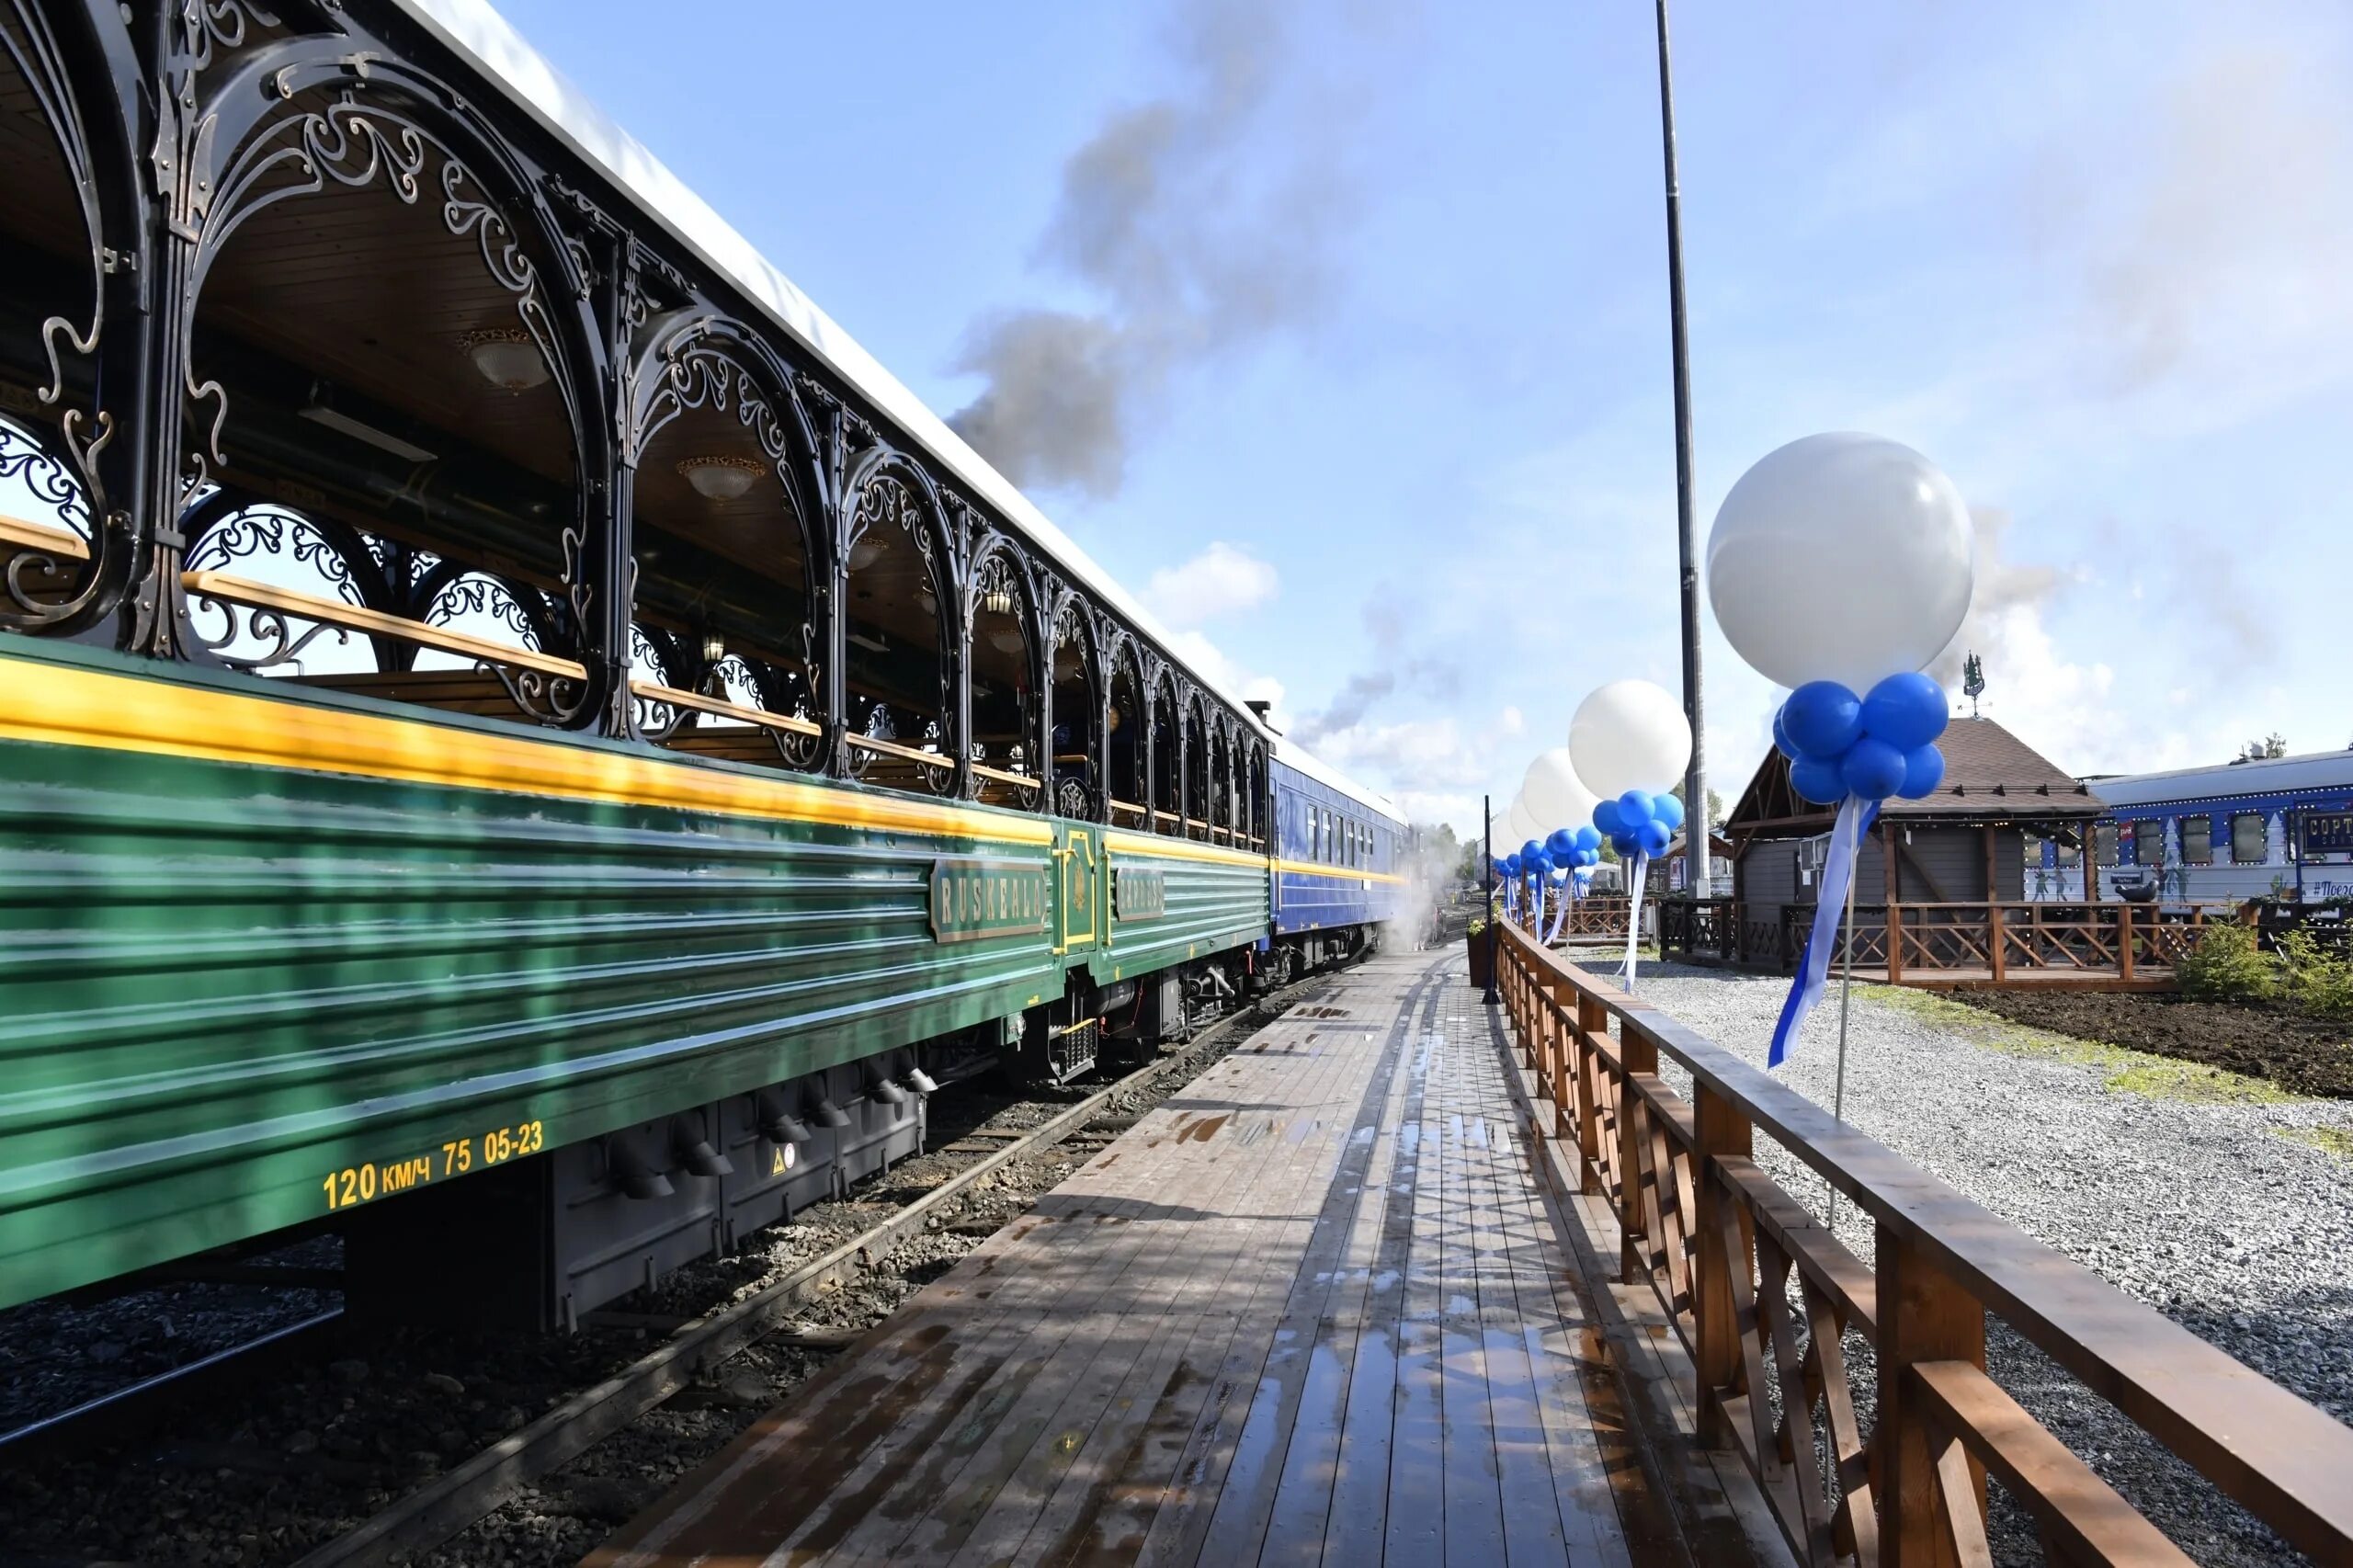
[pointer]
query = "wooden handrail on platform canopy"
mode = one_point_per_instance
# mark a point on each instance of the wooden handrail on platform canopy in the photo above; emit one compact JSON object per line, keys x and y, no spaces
{"x":245,"y":591}
{"x":21,"y":533}
{"x":1761,"y":1294}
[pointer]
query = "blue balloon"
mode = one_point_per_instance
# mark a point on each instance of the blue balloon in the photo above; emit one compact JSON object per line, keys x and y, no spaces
{"x":1781,"y":742}
{"x":1589,"y":856}
{"x":1823,"y":718}
{"x":1606,"y":819}
{"x":1873,"y":770}
{"x":1588,"y":838}
{"x":1624,"y":844}
{"x":1818,"y":779}
{"x":1561,"y":846}
{"x":1634,"y":809}
{"x":1511,"y":865}
{"x":1668,"y":810}
{"x":1924,"y":769}
{"x":1653,"y":837}
{"x":1906,"y":711}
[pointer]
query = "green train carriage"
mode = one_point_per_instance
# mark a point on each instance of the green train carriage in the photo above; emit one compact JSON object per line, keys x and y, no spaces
{"x":518,"y":742}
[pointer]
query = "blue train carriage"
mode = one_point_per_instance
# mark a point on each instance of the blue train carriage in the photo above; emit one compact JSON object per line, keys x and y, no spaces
{"x":2259,"y":828}
{"x":1339,"y":861}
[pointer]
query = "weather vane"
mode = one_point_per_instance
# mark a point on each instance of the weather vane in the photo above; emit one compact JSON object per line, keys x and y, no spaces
{"x":1973,"y":681}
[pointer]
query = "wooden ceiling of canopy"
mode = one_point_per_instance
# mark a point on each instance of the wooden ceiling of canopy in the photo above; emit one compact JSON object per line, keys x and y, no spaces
{"x":377,"y":296}
{"x":40,"y":209}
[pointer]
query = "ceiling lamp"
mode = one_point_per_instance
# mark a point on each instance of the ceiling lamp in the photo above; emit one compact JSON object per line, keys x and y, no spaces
{"x":713,"y":649}
{"x":869,"y":549}
{"x":508,"y":357}
{"x":719,"y":478}
{"x":929,"y":600}
{"x":997,"y":601}
{"x":1005,"y":639}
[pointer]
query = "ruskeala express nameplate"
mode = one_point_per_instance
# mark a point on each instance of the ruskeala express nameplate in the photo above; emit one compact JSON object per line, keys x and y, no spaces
{"x":975,"y":899}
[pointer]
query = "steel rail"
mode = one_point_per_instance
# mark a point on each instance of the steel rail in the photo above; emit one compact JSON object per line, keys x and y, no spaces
{"x":134,"y":1408}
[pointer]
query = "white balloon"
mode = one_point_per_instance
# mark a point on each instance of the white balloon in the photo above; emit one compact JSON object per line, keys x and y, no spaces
{"x":1524,"y":826}
{"x":1842,"y":557}
{"x":1554,"y":792}
{"x":1629,"y":734}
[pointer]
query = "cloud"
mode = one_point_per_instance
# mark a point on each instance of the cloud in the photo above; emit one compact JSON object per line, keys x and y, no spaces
{"x":1428,"y":765}
{"x":1212,"y":663}
{"x":1222,"y":580}
{"x":1205,"y":221}
{"x":2232,"y":254}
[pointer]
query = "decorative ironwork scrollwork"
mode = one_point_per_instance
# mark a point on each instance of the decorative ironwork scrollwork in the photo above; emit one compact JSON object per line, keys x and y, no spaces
{"x":475,"y":593}
{"x":45,"y":584}
{"x":354,"y":145}
{"x":775,"y":689}
{"x":656,"y":719}
{"x":253,"y":637}
{"x":546,"y":698}
{"x":267,"y":531}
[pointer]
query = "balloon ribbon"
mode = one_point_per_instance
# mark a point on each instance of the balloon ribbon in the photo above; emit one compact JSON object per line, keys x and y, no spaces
{"x":1855,"y":818}
{"x":1634,"y":914}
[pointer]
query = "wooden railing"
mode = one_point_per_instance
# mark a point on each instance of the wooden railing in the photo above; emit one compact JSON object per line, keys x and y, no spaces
{"x":1762,"y":1296}
{"x":2132,"y":941}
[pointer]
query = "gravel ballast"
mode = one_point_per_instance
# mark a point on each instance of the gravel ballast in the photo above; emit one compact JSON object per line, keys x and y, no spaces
{"x":2216,"y":1201}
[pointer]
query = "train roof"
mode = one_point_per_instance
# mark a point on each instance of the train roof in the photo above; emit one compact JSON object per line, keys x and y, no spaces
{"x":1298,"y":758}
{"x":2323,"y":770}
{"x":476,"y":31}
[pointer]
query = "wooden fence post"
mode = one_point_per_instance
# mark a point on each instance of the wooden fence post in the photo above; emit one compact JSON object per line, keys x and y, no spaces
{"x":1637,"y":1052}
{"x":1996,"y":957}
{"x":1719,"y":1129}
{"x":1562,"y":1069}
{"x":2124,"y":941}
{"x":1594,"y":1017}
{"x":1924,"y":1315}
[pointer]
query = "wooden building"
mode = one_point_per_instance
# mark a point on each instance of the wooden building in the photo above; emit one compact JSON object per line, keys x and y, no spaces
{"x":1965,"y":845}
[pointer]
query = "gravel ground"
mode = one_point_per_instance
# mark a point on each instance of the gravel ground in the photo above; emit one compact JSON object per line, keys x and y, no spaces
{"x":2217,"y":1202}
{"x":66,"y":1351}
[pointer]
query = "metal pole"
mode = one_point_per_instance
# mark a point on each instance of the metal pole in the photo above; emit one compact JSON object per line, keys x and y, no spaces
{"x":1488,"y":916}
{"x":1697,"y":828}
{"x":2296,"y":846}
{"x":1845,"y":987}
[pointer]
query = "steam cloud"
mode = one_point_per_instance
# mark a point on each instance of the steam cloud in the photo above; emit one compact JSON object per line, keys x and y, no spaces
{"x":2003,"y":588}
{"x":1396,"y":668}
{"x":1202,"y":233}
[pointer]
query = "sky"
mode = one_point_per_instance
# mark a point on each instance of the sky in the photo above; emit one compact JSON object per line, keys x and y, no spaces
{"x":1338,"y":330}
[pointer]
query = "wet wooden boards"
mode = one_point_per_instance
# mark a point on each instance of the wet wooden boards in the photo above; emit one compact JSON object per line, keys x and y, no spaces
{"x":1313,"y":1309}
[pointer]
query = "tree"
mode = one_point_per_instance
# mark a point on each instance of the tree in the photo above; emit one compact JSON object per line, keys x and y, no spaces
{"x":1715,"y":804}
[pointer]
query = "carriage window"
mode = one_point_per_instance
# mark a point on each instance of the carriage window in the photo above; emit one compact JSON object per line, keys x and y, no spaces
{"x":2198,"y":841}
{"x":2138,"y":841}
{"x":2249,"y":843}
{"x":2104,"y":841}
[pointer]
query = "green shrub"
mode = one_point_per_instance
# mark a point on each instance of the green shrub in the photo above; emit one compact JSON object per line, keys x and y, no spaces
{"x":2313,"y":980}
{"x":2227,"y":965}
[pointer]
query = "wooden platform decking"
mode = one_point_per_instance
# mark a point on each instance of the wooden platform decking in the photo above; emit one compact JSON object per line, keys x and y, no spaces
{"x":1316,"y":1309}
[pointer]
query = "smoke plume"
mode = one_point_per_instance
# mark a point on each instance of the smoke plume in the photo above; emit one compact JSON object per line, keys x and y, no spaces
{"x":2005,"y":590}
{"x":1205,"y":222}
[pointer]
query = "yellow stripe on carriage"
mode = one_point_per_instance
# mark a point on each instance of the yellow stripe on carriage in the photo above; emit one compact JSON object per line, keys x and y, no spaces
{"x":62,"y":705}
{"x":1336,"y":873}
